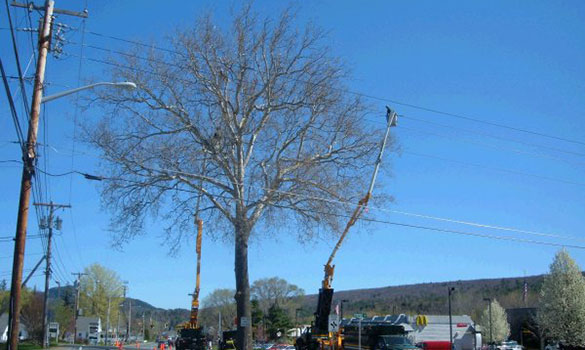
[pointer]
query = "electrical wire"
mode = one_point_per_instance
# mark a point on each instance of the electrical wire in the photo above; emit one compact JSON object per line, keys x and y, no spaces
{"x":17,"y":59}
{"x":347,"y":203}
{"x":382,"y":99}
{"x":13,"y":113}
{"x":430,"y":228}
{"x":548,"y":178}
{"x":497,"y":169}
{"x":476,"y":132}
{"x":491,"y":146}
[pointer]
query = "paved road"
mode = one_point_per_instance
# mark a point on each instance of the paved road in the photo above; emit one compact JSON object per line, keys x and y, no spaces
{"x":141,"y":346}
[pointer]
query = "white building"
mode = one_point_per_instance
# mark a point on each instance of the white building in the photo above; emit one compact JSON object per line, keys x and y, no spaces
{"x":432,"y":328}
{"x":436,"y":328}
{"x":88,"y":329}
{"x":23,"y":334}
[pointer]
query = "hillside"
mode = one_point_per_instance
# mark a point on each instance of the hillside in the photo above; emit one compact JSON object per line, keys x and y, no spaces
{"x":431,"y":298}
{"x":161,"y":316}
{"x":422,"y":298}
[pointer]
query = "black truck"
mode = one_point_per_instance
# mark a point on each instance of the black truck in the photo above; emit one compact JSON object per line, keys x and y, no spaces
{"x":191,"y":339}
{"x":376,"y":336}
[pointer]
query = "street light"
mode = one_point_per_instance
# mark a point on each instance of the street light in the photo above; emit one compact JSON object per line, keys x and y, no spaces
{"x":451,"y":290}
{"x":489,"y":300}
{"x":124,"y":84}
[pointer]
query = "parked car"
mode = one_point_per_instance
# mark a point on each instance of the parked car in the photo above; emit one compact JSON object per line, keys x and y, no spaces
{"x":278,"y":347}
{"x":509,"y":345}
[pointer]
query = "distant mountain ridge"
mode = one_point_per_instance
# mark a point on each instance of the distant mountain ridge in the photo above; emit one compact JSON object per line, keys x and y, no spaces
{"x":432,"y":298}
{"x":419,"y":298}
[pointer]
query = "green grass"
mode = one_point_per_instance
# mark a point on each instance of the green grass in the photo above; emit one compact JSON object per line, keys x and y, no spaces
{"x":29,"y":346}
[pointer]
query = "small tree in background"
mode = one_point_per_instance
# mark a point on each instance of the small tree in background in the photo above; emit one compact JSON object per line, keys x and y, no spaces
{"x":220,"y":301}
{"x":500,"y":327}
{"x":561,"y":314}
{"x":99,"y":286}
{"x":32,"y":316}
{"x":257,"y":319}
{"x":278,"y":322}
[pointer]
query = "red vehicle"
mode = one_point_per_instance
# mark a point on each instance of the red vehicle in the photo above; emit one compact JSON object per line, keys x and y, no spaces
{"x":435,"y":345}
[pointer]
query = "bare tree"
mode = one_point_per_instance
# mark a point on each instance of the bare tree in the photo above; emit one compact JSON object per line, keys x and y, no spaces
{"x":254,"y":120}
{"x":32,"y":316}
{"x":219,"y":302}
{"x":275,"y":291}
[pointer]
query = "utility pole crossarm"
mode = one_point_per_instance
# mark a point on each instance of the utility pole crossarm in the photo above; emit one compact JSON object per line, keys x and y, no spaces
{"x":31,"y":6}
{"x":49,"y":225}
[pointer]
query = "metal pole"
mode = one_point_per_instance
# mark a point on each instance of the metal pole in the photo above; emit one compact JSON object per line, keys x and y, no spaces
{"x":45,"y":339}
{"x":360,"y":334}
{"x":26,"y":182}
{"x":489,"y":300}
{"x":108,"y":319}
{"x":451,"y":289}
{"x":491,"y":327}
{"x":129,"y":330}
{"x":76,"y":309}
{"x":118,"y":325}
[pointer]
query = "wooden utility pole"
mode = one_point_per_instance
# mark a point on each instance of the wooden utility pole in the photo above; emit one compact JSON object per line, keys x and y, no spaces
{"x":52,"y":206}
{"x":29,"y":160}
{"x":26,"y":184}
{"x":77,"y":282}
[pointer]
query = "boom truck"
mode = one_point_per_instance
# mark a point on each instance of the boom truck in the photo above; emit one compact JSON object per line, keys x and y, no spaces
{"x":191,"y":336}
{"x":318,"y":336}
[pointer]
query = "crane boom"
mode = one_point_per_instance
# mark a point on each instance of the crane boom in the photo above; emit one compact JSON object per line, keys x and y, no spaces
{"x":193,"y":319}
{"x":391,"y":118}
{"x":319,"y":337}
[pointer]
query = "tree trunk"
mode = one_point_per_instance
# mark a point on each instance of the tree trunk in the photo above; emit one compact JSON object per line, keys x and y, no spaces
{"x":244,"y":320}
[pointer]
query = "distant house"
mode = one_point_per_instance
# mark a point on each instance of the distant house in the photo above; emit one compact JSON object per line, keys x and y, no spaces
{"x":23,"y":334}
{"x":89,"y":329}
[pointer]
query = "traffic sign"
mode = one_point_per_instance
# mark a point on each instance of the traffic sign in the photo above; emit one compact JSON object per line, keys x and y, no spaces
{"x":333,"y":323}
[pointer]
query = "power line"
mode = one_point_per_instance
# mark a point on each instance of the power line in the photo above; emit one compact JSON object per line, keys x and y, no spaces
{"x":17,"y":59}
{"x":383,"y":99}
{"x":502,"y":170}
{"x":541,"y":155}
{"x":19,"y":133}
{"x":456,"y":221}
{"x":496,"y":147}
{"x":436,"y":229}
{"x":491,"y":135}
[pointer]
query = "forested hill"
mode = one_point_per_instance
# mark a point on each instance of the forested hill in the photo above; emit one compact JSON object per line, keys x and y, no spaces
{"x":431,"y":298}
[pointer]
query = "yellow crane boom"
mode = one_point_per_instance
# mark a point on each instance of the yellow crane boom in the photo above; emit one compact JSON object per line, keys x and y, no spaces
{"x":391,"y":119}
{"x":195,"y":302}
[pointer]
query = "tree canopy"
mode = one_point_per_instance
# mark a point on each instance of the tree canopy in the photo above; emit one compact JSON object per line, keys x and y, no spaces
{"x":244,"y":126}
{"x":499,"y":328}
{"x":99,"y":287}
{"x":561,"y":314}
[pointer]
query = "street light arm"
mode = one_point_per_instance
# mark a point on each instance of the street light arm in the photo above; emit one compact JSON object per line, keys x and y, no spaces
{"x":126,"y":84}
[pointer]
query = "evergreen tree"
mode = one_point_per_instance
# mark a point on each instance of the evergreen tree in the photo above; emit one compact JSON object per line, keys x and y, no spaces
{"x":278,"y":322}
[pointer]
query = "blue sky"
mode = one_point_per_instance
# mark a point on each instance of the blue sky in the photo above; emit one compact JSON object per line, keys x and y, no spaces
{"x":519,"y":64}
